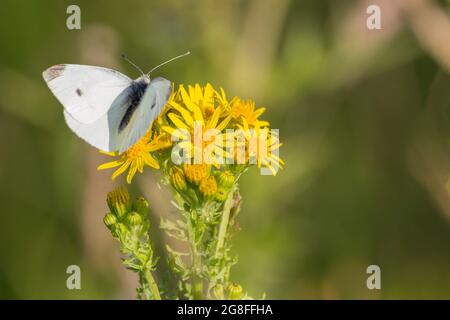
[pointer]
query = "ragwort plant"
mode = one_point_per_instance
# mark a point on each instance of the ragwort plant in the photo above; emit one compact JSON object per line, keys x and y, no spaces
{"x":202,"y":144}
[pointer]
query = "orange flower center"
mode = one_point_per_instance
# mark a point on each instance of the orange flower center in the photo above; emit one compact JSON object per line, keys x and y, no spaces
{"x":138,"y":148}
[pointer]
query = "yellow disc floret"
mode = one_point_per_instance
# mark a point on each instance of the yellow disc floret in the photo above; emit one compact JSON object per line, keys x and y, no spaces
{"x":195,"y":172}
{"x":208,"y":186}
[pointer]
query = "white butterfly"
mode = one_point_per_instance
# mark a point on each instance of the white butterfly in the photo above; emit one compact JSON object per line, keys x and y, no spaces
{"x":106,"y":108}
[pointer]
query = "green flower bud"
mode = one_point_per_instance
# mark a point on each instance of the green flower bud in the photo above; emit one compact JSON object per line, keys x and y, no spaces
{"x":221,"y":195}
{"x":234,"y":291}
{"x":119,"y":201}
{"x":225,"y":179}
{"x":134,"y":218}
{"x":217,"y":292}
{"x":177,"y":179}
{"x":109,"y":219}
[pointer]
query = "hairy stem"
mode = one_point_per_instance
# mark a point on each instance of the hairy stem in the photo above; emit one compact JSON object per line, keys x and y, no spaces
{"x":224,"y":223}
{"x":152,"y":284}
{"x":196,"y":262}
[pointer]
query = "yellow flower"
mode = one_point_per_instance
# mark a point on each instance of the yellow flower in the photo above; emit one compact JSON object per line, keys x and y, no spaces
{"x":261,"y":145}
{"x":137,"y":156}
{"x":244,"y":110}
{"x":195,"y":108}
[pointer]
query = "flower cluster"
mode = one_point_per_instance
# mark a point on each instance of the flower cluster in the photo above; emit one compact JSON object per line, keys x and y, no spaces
{"x":207,"y":129}
{"x":202,"y":143}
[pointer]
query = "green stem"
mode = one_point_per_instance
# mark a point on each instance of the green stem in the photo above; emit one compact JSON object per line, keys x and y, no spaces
{"x":197,"y":282}
{"x":197,"y":286}
{"x":224,"y":223}
{"x":152,"y":283}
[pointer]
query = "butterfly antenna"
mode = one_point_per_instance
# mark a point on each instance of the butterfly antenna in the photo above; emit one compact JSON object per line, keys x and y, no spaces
{"x":133,"y":64}
{"x":174,"y":58}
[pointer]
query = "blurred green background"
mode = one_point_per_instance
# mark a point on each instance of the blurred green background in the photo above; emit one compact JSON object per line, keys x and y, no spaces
{"x":364,"y":117}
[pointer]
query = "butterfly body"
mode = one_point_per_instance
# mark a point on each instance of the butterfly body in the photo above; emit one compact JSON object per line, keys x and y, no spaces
{"x":137,"y":89}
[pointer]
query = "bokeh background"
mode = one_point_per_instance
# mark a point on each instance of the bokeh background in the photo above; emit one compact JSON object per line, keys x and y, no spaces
{"x":364,"y":117}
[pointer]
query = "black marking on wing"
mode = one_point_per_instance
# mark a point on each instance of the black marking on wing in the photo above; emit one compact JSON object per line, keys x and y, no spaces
{"x":79,"y":92}
{"x":137,"y":90}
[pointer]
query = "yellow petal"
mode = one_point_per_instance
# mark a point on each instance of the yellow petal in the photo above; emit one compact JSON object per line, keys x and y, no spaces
{"x":224,"y":96}
{"x":192,"y":94}
{"x":111,"y":164}
{"x":198,"y":92}
{"x":112,"y":154}
{"x":175,"y":132}
{"x":271,"y":168}
{"x":277,"y":158}
{"x":186,"y":99}
{"x":121,"y":169}
{"x":263,"y":123}
{"x":132,"y":171}
{"x":184,"y":113}
{"x":224,"y":123}
{"x":259,"y":112}
{"x":198,"y":116}
{"x":214,"y":119}
{"x":275,"y":146}
{"x":208,"y":96}
{"x":158,"y":145}
{"x":150,"y":161}
{"x":177,"y":121}
{"x":140,"y":164}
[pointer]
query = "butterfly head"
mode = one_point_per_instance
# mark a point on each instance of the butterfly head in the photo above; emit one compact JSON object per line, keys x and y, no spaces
{"x":144,"y":78}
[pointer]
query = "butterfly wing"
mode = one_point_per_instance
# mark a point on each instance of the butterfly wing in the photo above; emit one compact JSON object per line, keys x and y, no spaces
{"x":155,"y":98}
{"x":102,"y":133}
{"x":86,"y":92}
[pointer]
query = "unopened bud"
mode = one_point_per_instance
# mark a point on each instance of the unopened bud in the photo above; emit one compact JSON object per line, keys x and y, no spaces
{"x":134,"y":218}
{"x":177,"y":179}
{"x":119,"y":201}
{"x":221,"y":195}
{"x":109,"y":219}
{"x":225,"y":179}
{"x":218,"y":292}
{"x":234,"y":291}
